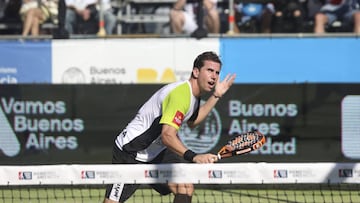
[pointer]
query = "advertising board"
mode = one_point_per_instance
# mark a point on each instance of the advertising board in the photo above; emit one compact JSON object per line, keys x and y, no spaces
{"x":25,"y":62}
{"x":77,"y":123}
{"x":125,"y":61}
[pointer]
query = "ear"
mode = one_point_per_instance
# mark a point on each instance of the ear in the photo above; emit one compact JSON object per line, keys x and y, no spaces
{"x":195,"y":72}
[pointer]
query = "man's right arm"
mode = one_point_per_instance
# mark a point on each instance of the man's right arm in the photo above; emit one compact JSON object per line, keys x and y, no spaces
{"x":171,"y":140}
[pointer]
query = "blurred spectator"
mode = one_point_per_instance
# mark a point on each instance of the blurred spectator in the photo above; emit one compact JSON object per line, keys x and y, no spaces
{"x":3,"y":4}
{"x":109,"y":16}
{"x":9,"y":14}
{"x":60,"y":32}
{"x":36,"y":12}
{"x":82,"y":16}
{"x":253,"y":17}
{"x":288,"y":17}
{"x":312,"y":8}
{"x":183,"y":17}
{"x":346,"y":11}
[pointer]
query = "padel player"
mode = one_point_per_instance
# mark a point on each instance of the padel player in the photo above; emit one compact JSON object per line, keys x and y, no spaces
{"x":151,"y":137}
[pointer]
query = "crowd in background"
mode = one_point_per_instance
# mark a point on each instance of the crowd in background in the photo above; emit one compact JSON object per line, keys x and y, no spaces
{"x":267,"y":16}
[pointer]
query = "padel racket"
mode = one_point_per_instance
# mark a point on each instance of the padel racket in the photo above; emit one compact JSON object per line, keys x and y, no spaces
{"x":242,"y":144}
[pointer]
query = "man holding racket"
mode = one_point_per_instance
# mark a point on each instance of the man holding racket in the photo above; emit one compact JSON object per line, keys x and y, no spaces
{"x":151,"y":137}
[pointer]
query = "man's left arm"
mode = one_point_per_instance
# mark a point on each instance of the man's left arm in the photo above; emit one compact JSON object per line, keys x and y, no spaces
{"x":220,"y":89}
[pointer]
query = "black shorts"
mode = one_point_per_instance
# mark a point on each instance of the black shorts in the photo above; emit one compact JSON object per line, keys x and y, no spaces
{"x":121,"y":192}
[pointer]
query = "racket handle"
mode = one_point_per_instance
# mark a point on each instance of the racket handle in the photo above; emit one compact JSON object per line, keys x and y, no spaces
{"x":227,"y":155}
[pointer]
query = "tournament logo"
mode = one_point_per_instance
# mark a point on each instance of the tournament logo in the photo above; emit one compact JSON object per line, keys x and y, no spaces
{"x":280,"y":174}
{"x":205,"y":136}
{"x":87,"y":174}
{"x":25,"y":175}
{"x":345,"y":173}
{"x":151,"y":173}
{"x":215,"y":174}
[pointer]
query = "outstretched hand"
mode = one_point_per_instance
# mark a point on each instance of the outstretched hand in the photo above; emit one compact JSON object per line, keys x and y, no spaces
{"x":222,"y":86}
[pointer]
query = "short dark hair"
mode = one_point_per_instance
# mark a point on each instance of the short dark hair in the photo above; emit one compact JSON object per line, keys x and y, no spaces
{"x":206,"y":56}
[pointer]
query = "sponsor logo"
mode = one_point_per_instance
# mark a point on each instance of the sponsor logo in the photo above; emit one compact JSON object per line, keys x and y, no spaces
{"x":93,"y":74}
{"x":8,"y":75}
{"x":40,"y":121}
{"x":151,"y":173}
{"x":116,"y":192}
{"x":280,"y":173}
{"x":25,"y":175}
{"x":73,"y":75}
{"x":151,"y":75}
{"x":203,"y":137}
{"x":242,"y":114}
{"x":345,"y":173}
{"x":9,"y":143}
{"x":87,"y":174}
{"x":215,"y":174}
{"x":178,"y":118}
{"x":350,"y":126}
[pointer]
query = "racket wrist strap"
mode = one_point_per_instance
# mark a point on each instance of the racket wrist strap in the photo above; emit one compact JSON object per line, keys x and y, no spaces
{"x":189,"y":155}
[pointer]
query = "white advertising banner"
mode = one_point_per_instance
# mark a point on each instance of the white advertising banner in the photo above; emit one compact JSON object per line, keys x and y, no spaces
{"x":114,"y":61}
{"x":236,"y":173}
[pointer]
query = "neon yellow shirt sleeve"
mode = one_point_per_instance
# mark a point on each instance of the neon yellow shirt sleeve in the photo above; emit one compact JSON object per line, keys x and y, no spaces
{"x":175,"y":105}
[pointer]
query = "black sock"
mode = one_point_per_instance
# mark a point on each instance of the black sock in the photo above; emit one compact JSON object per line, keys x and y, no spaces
{"x":182,"y":198}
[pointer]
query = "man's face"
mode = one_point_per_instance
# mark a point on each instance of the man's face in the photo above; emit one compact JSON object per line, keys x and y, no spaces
{"x":207,"y":76}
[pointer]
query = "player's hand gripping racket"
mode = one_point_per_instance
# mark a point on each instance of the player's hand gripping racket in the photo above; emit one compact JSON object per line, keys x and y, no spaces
{"x":242,"y":144}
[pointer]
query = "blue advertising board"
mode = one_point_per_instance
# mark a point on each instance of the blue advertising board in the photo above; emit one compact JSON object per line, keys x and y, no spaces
{"x":254,"y":60}
{"x":25,"y":61}
{"x":291,"y":60}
